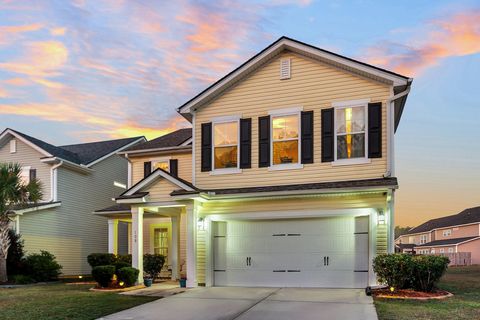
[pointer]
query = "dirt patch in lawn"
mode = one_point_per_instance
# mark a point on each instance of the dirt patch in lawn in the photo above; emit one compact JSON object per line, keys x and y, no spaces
{"x":410,"y":294}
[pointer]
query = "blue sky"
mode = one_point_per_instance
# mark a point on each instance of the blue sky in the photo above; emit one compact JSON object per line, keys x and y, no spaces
{"x":89,"y":70}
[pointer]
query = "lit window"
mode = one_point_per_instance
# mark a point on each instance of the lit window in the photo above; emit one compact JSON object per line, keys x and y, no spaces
{"x":13,"y":146}
{"x":447,"y":233}
{"x":162,"y":164}
{"x":350,"y":132}
{"x":160,"y":242}
{"x":285,"y":139}
{"x":226,"y":145}
{"x":423,"y":239}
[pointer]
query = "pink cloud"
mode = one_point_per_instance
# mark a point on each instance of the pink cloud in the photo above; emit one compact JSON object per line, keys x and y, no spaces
{"x":9,"y":33}
{"x":455,"y":35}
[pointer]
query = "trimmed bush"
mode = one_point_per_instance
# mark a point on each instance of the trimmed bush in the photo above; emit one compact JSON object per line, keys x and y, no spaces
{"x":153,"y":264}
{"x":119,"y":265}
{"x":103,"y":275}
{"x":15,"y":263}
{"x":42,"y":266}
{"x":394,"y":270}
{"x":101,"y":259}
{"x":428,"y":269}
{"x":126,"y":258}
{"x":404,"y":271}
{"x":128,"y":275}
{"x":22,"y":279}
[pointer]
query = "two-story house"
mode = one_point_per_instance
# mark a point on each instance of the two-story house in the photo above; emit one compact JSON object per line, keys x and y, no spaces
{"x":451,"y":234}
{"x":291,"y":180}
{"x":75,"y":179}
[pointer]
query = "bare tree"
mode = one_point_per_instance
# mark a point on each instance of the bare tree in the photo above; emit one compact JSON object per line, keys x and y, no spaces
{"x":14,"y":194}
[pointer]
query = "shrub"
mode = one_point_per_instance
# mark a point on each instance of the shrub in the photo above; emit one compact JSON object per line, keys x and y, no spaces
{"x":126,"y":258}
{"x":403,"y":271}
{"x":103,"y":275}
{"x":153,"y":264}
{"x":394,"y":270}
{"x":15,"y":263}
{"x":119,"y":265}
{"x":22,"y":279}
{"x":128,"y":275}
{"x":101,"y":259}
{"x":42,"y":266}
{"x":428,"y":269}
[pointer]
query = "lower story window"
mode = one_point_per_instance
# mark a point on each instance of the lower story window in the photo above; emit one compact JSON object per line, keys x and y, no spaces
{"x":160,"y":242}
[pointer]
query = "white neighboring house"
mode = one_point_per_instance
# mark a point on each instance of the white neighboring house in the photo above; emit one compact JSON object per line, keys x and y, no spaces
{"x":76,"y":179}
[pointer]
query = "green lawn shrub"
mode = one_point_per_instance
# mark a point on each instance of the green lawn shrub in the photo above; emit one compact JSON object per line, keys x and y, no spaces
{"x":128,"y":275}
{"x":101,"y":259}
{"x":42,"y":266}
{"x":153,"y":264}
{"x":103,"y":275}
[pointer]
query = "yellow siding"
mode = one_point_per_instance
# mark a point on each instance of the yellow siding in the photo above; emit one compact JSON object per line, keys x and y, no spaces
{"x":313,"y":86}
{"x":183,"y":242}
{"x":184,"y":165}
{"x":201,"y":257}
{"x":160,"y":190}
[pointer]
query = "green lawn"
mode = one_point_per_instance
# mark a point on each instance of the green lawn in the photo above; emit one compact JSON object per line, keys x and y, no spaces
{"x":463,"y":282}
{"x":61,"y":301}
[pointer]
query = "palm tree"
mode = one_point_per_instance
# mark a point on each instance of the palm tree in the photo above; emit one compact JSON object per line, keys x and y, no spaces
{"x":14,"y":194}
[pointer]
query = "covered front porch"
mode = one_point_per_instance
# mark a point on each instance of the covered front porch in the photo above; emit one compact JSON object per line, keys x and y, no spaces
{"x":153,"y":228}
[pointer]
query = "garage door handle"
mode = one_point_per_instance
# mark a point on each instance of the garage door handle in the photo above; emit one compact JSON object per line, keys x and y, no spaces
{"x":293,"y":271}
{"x":279,"y":270}
{"x":328,"y":262}
{"x":324,"y":261}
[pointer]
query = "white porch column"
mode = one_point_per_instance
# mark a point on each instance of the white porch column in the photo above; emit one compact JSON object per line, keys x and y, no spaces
{"x":175,"y":246}
{"x":191,"y":245}
{"x":129,"y":231}
{"x":137,"y":241}
{"x":113,"y":236}
{"x":391,"y":222}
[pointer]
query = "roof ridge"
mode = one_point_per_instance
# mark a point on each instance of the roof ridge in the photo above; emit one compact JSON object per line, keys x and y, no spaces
{"x":99,"y":141}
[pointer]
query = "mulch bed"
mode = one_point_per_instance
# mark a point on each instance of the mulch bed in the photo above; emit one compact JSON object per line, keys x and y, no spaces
{"x":410,"y":294}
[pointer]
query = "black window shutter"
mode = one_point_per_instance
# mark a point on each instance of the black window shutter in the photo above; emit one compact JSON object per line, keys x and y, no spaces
{"x":375,"y":130}
{"x":33,"y":174}
{"x":245,"y":143}
{"x":147,"y":168}
{"x":327,"y":135}
{"x":307,"y":136}
{"x":206,"y":147}
{"x":173,"y":165}
{"x":264,"y":141}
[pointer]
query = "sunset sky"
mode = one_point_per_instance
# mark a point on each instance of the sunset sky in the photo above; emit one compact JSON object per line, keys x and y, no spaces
{"x":91,"y":70}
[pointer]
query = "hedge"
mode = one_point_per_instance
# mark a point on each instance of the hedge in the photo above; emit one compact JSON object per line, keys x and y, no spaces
{"x":42,"y":266}
{"x":103,"y":275}
{"x":404,"y":271}
{"x":128,"y":275}
{"x":101,"y":259}
{"x":153,"y":264}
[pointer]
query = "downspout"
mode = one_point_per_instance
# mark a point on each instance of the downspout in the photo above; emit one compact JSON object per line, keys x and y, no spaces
{"x":391,"y":130}
{"x":53,"y":196}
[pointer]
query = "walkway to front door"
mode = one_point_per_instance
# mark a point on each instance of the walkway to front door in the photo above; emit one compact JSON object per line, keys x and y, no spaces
{"x":228,"y":303}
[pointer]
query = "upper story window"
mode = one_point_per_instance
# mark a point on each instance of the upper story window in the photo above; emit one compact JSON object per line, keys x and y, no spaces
{"x":27,"y":174}
{"x":163,"y":164}
{"x":225,"y":145}
{"x":13,"y":146}
{"x":450,"y":250}
{"x":350,"y":132}
{"x":423,"y":239}
{"x":447,"y":232}
{"x":285,"y":139}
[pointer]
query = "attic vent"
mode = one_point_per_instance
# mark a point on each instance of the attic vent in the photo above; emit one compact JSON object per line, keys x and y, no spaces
{"x":284,"y":69}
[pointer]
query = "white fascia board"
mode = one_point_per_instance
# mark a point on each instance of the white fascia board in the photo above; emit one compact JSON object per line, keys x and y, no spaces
{"x":133,"y":200}
{"x":157,"y":173}
{"x":435,"y":229}
{"x":302,"y":48}
{"x":186,"y":142}
{"x":19,"y":137}
{"x":159,"y":150}
{"x":116,"y":151}
{"x":69,"y":164}
{"x":39,"y":208}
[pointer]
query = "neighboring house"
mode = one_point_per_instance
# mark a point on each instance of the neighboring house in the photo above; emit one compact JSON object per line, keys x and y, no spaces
{"x":75,"y":180}
{"x":291,"y":180}
{"x":451,"y":234}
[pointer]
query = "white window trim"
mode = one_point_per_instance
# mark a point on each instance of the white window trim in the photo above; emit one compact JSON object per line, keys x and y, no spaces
{"x":449,"y":231}
{"x":451,"y":250}
{"x":441,"y":250}
{"x":13,"y":146}
{"x":154,"y":161}
{"x":423,"y":239}
{"x":26,"y":169}
{"x":343,"y":105}
{"x":220,"y":171}
{"x":286,"y":112}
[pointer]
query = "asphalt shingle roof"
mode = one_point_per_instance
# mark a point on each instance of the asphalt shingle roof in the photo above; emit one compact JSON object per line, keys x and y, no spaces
{"x":446,"y":242}
{"x":470,"y":215}
{"x":172,"y":139}
{"x":83,"y":153}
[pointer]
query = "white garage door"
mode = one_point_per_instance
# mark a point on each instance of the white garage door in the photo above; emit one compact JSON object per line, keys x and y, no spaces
{"x":325,"y":252}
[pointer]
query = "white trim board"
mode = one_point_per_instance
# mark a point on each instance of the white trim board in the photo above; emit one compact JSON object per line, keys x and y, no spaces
{"x":153,"y":176}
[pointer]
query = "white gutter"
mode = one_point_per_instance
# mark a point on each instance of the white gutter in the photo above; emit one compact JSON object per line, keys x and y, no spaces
{"x":177,"y":148}
{"x":391,"y":131}
{"x":53,"y":181}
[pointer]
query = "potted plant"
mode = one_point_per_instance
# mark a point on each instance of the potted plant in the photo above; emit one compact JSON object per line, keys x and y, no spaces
{"x":147,"y":281}
{"x":183,"y":280}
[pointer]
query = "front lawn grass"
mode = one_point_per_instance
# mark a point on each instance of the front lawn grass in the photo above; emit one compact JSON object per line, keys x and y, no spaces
{"x":463,"y":282}
{"x":62,"y":301}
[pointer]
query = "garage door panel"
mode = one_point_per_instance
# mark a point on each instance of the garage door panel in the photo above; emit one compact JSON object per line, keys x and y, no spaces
{"x":293,"y":253}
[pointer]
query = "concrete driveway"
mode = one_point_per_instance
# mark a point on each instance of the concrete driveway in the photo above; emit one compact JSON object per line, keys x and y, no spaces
{"x":220,"y":303}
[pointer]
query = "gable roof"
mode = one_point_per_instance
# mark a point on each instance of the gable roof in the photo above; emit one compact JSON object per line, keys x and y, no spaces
{"x":470,"y":215}
{"x":284,"y":43}
{"x":152,"y":177}
{"x":446,"y":242}
{"x":173,"y":139}
{"x":85,"y":154}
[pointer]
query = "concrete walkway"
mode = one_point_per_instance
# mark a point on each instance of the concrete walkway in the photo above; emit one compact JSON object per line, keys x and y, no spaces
{"x":256,"y":303}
